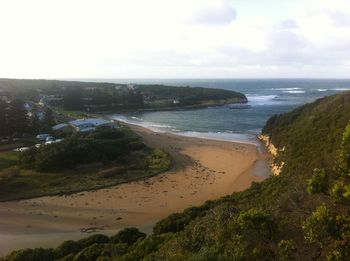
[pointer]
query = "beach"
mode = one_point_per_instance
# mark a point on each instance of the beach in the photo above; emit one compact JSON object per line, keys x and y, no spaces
{"x":202,"y":170}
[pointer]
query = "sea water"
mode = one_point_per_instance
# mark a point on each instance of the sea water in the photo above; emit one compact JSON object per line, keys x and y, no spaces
{"x":233,"y":123}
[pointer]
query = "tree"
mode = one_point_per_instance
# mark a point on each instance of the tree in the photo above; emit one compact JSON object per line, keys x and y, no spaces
{"x":17,"y":117}
{"x":286,"y":250}
{"x":343,"y":162}
{"x":320,"y":226}
{"x":128,"y":236}
{"x":3,"y":120}
{"x":49,"y":119}
{"x":35,"y":124}
{"x":72,"y":98}
{"x":318,"y":183}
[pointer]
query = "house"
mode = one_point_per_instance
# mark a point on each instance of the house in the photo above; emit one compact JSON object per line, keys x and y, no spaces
{"x":46,"y":100}
{"x":62,"y":128}
{"x":5,"y":96}
{"x":84,"y":125}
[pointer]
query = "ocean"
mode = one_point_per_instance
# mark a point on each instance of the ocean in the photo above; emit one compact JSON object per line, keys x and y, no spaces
{"x":233,"y":123}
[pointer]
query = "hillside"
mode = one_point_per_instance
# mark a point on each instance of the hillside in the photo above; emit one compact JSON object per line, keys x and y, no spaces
{"x":101,"y":96}
{"x":187,"y":96}
{"x":302,"y":214}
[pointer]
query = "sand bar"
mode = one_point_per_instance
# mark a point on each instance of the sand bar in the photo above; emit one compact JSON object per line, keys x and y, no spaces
{"x":203,"y":170}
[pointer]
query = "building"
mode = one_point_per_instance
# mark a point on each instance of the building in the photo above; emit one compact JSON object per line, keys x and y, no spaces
{"x":63,"y":128}
{"x":85,"y":125}
{"x":46,"y":100}
{"x":5,"y":96}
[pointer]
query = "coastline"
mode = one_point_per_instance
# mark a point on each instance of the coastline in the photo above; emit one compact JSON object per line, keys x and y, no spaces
{"x":203,"y":170}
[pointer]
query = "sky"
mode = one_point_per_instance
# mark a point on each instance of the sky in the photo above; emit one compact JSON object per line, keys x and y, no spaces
{"x":174,"y":39}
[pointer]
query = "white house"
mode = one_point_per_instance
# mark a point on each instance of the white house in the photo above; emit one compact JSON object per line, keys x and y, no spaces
{"x":91,"y":124}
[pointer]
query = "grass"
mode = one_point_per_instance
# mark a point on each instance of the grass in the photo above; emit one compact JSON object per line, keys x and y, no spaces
{"x":72,"y":114}
{"x":8,"y":159}
{"x":29,"y":184}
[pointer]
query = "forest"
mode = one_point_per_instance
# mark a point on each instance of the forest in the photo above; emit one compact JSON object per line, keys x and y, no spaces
{"x":99,"y":96}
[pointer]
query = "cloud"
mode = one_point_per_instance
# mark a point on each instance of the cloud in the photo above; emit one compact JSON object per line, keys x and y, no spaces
{"x":174,"y":38}
{"x":219,"y":12}
{"x":287,"y":24}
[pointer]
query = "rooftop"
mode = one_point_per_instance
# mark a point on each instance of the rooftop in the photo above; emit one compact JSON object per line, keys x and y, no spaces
{"x":94,"y":121}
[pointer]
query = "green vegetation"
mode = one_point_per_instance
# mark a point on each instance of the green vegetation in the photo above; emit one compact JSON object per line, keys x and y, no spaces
{"x":16,"y":122}
{"x":94,"y":97}
{"x":87,"y":249}
{"x":81,"y":162}
{"x":160,"y":96}
{"x":302,"y":214}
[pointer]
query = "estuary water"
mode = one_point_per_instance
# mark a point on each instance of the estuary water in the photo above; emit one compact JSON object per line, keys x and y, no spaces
{"x":232,"y":122}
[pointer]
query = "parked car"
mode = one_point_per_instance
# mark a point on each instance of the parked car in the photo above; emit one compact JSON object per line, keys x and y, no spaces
{"x":21,"y":149}
{"x":50,"y":138}
{"x":43,"y":137}
{"x":53,"y":141}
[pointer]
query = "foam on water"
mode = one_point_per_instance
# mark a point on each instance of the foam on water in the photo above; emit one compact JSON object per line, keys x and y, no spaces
{"x":294,"y":91}
{"x":234,"y":123}
{"x":261,"y":99}
{"x":162,"y":128}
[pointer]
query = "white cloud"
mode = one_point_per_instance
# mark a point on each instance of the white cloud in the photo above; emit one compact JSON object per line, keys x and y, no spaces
{"x":167,"y":38}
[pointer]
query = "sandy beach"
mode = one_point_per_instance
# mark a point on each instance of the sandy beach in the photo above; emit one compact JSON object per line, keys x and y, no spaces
{"x":203,"y":170}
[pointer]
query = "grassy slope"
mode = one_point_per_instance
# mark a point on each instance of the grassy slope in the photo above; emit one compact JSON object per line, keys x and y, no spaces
{"x":250,"y":225}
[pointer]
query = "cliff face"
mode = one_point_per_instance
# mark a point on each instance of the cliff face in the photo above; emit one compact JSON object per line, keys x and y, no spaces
{"x":276,"y":168}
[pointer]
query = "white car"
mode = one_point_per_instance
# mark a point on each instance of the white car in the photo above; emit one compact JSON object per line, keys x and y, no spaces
{"x":50,"y":138}
{"x":53,"y":141}
{"x":43,"y":136}
{"x":21,"y":149}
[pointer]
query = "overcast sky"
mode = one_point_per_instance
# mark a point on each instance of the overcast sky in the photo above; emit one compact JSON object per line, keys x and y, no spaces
{"x":175,"y":38}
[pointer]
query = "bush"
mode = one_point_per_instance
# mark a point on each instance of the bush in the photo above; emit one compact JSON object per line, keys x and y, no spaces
{"x":98,"y":239}
{"x":80,"y":148}
{"x":128,"y":236}
{"x":254,"y":219}
{"x":318,"y":183}
{"x":37,"y":254}
{"x":66,"y":248}
{"x":286,"y":250}
{"x":320,"y":226}
{"x":90,"y":253}
{"x":159,"y":160}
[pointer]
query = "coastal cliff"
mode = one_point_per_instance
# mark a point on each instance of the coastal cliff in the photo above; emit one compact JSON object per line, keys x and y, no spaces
{"x":276,"y":168}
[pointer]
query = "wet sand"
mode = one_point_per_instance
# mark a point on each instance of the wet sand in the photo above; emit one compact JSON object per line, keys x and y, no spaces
{"x":203,"y":170}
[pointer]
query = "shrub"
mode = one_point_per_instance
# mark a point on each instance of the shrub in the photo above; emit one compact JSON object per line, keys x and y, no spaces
{"x":257,"y":220}
{"x":66,"y":248}
{"x":158,"y":160}
{"x":37,"y":254}
{"x":80,"y":148}
{"x":89,"y":253}
{"x":173,"y":223}
{"x":97,"y":238}
{"x":343,"y":161}
{"x":286,"y":250}
{"x":128,"y":236}
{"x":320,"y":226}
{"x":318,"y":183}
